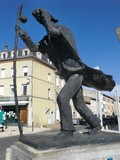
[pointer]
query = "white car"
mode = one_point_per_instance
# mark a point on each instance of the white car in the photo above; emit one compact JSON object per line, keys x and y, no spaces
{"x":1,"y":127}
{"x":76,"y":121}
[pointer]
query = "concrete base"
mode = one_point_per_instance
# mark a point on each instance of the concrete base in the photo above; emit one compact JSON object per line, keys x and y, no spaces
{"x":48,"y":146}
{"x":20,"y":151}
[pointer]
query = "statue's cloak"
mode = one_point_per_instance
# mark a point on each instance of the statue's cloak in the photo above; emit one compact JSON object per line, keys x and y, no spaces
{"x":92,"y":77}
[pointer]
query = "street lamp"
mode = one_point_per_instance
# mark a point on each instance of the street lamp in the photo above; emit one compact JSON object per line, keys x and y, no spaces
{"x":98,"y":102}
{"x":117,"y":106}
{"x":23,"y":20}
{"x":116,"y":90}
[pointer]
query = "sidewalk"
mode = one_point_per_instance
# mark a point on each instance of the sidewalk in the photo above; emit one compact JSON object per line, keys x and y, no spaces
{"x":13,"y":131}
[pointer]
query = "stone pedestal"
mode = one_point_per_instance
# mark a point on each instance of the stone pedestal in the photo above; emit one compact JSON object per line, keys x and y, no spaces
{"x":20,"y":151}
{"x":80,"y":147}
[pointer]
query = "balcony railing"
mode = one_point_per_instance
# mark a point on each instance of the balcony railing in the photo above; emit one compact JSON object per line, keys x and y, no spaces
{"x":20,"y":98}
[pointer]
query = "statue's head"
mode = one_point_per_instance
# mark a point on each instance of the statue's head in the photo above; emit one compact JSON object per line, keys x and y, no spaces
{"x":40,"y":14}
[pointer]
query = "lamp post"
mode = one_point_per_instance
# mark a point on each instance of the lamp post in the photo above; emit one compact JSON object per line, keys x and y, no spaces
{"x":22,"y":19}
{"x":116,"y":89}
{"x":117,"y":106}
{"x":98,"y":103}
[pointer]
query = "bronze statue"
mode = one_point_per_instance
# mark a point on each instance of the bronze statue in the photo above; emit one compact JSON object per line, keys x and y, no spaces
{"x":59,"y":45}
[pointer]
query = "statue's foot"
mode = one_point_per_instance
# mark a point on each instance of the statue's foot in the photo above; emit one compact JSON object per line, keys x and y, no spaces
{"x":95,"y":130}
{"x":64,"y":135}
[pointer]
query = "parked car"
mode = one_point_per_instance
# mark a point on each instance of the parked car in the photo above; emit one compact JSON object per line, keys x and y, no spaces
{"x":1,"y":127}
{"x":76,"y":121}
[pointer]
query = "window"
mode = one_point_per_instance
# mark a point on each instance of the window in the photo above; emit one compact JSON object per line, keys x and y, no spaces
{"x":25,"y":70}
{"x":48,"y":60}
{"x":2,"y":72}
{"x":24,"y":89}
{"x":112,"y":102}
{"x":25,"y":52}
{"x":49,"y":77}
{"x":57,"y":81}
{"x":49,"y":93}
{"x":108,"y":107}
{"x":1,"y":90}
{"x":104,"y":106}
{"x":4,"y":55}
{"x":104,"y":99}
{"x":44,"y":58}
{"x":11,"y":90}
{"x":12,"y":54}
{"x":39,"y":55}
{"x":11,"y":72}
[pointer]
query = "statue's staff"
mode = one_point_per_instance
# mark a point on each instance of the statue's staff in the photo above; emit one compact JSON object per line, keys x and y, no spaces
{"x":23,"y":20}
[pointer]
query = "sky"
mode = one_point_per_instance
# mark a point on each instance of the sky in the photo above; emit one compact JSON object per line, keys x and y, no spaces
{"x":93,"y":23}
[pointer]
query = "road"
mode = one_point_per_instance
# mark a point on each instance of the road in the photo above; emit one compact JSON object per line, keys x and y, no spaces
{"x":6,"y":142}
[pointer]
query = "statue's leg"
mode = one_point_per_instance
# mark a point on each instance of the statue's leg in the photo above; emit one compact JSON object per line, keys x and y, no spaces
{"x":84,"y":111}
{"x":68,"y":91}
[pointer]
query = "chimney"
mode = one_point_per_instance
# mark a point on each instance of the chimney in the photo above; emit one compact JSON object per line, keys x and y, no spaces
{"x":5,"y":48}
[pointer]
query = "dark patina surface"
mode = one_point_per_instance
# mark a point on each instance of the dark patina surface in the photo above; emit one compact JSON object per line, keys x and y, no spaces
{"x":47,"y":140}
{"x":60,"y":47}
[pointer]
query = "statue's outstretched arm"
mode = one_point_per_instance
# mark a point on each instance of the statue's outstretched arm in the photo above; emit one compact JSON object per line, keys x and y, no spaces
{"x":27,"y":40}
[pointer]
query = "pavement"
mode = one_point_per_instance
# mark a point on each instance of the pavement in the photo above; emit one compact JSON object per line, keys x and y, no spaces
{"x":13,"y":131}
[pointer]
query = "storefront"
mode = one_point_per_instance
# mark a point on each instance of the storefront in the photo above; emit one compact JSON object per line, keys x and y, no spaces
{"x":10,"y":110}
{"x":11,"y":116}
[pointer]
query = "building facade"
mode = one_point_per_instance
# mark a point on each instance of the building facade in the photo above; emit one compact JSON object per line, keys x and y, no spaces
{"x":100,"y":103}
{"x":35,"y":87}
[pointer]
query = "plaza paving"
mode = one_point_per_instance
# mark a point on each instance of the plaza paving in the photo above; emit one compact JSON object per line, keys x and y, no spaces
{"x":13,"y":131}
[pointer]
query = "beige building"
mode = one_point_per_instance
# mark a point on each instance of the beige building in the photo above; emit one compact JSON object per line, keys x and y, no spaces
{"x":35,"y":87}
{"x":99,"y":103}
{"x":108,"y":105}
